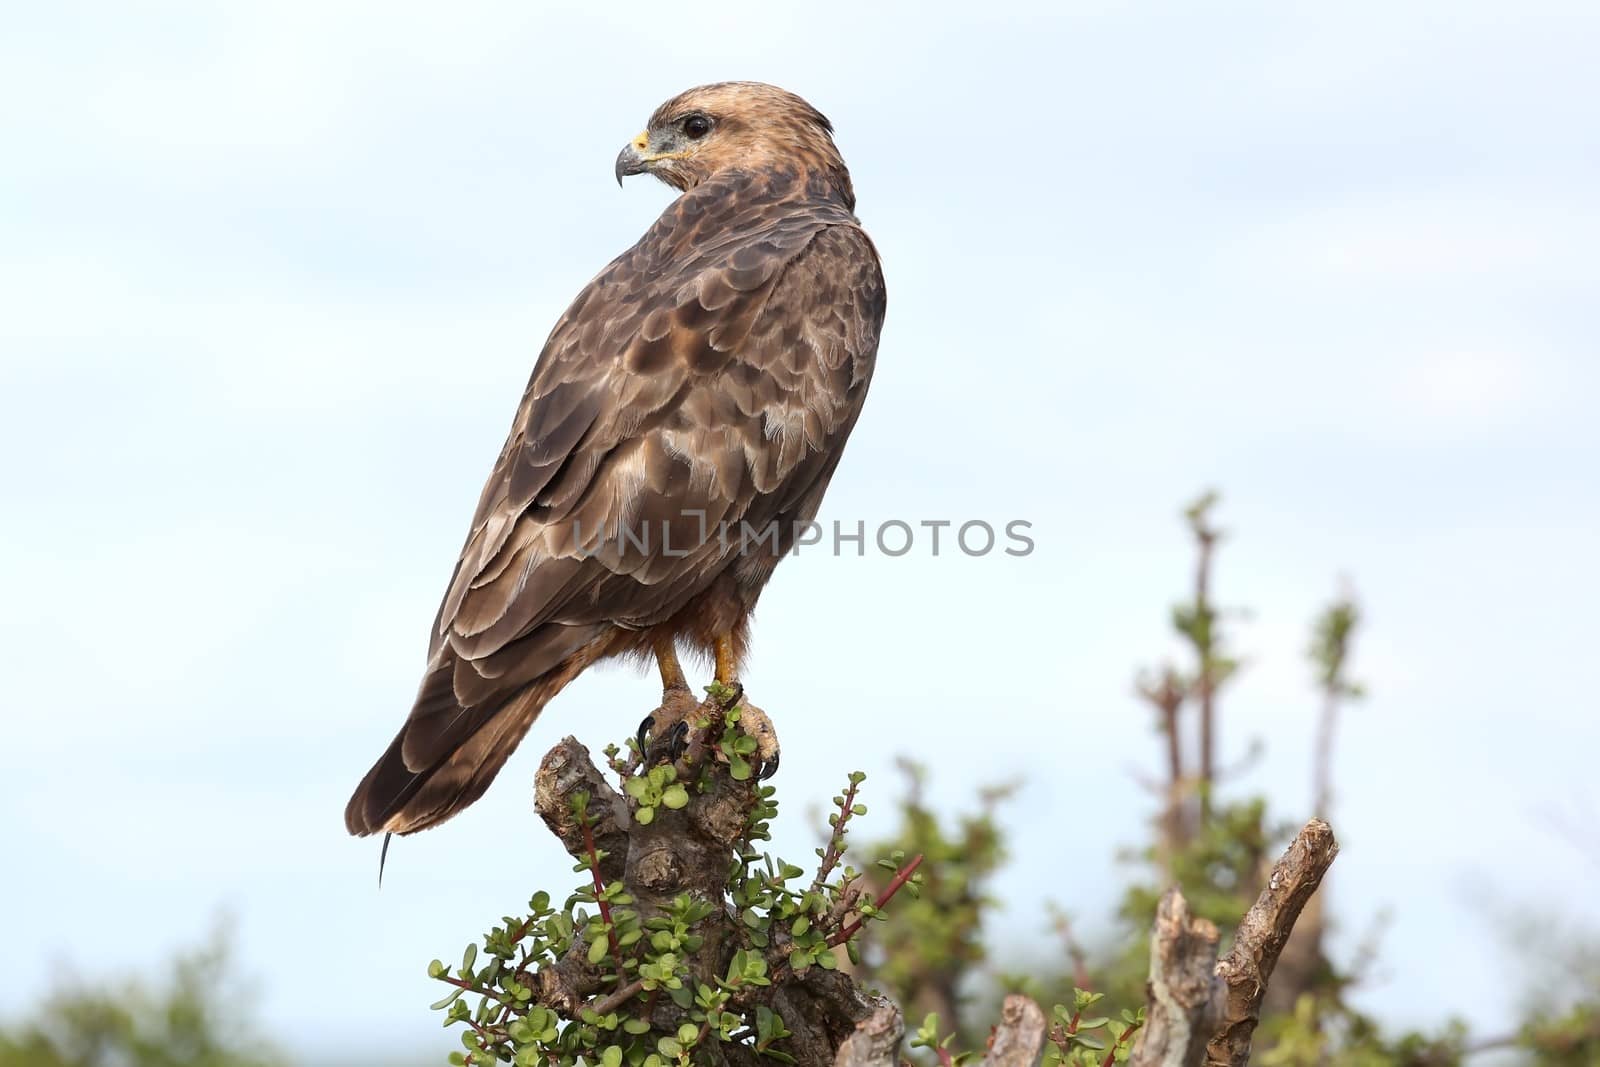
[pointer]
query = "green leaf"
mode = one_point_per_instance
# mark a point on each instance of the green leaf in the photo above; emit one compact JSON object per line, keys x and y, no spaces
{"x":597,"y":950}
{"x":446,"y":1000}
{"x":738,"y":767}
{"x":612,"y":1056}
{"x":644,"y":816}
{"x":675,"y":797}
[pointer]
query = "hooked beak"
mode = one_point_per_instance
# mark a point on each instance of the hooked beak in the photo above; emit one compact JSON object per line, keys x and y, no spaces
{"x":632,"y":160}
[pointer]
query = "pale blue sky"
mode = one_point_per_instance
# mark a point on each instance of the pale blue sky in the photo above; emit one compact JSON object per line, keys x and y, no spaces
{"x":272,"y":277}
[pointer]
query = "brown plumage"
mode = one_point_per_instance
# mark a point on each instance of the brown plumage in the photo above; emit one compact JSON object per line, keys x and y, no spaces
{"x":709,"y":375}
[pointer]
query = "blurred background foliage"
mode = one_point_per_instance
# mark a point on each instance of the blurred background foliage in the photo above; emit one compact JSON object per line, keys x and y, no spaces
{"x":1217,"y":844}
{"x":197,"y":1014}
{"x":941,"y":953}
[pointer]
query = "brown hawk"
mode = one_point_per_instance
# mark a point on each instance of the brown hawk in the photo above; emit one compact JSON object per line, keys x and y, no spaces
{"x":681,"y":424}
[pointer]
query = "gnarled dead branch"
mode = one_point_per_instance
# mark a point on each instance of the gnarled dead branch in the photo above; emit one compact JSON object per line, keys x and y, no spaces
{"x":1202,"y":1010}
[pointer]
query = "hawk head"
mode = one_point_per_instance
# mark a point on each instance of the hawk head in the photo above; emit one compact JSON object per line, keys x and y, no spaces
{"x":743,"y":125}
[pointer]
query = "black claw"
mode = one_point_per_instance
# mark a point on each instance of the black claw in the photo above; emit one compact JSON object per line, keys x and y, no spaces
{"x":643,"y":736}
{"x":678,"y":740}
{"x":769,"y":767}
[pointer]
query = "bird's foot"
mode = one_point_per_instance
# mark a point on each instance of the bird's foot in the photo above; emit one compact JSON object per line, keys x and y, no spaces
{"x":664,"y":733}
{"x":667,"y":733}
{"x":755,"y":723}
{"x":755,"y":726}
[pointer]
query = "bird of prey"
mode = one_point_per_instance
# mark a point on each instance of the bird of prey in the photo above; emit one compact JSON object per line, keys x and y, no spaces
{"x":699,"y":389}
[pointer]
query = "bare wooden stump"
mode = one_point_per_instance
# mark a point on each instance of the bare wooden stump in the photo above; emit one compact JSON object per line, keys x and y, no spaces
{"x":689,"y":851}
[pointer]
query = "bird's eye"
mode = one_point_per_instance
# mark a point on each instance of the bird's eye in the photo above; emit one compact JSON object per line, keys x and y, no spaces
{"x":696,"y":126}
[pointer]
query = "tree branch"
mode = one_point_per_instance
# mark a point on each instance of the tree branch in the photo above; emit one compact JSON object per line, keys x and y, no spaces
{"x":567,"y":770}
{"x":1200,"y":1010}
{"x":1019,"y":1038}
{"x":1180,"y":1014}
{"x":876,"y":1041}
{"x":1246,"y":969}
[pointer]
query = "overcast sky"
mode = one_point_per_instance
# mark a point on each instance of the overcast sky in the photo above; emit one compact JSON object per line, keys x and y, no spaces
{"x":272,"y":277}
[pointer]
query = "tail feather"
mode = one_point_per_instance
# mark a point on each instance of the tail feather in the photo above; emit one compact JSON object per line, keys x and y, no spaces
{"x":469,"y":746}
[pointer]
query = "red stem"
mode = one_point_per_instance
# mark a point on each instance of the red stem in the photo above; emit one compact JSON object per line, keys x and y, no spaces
{"x":599,"y":889}
{"x":1111,"y":1053}
{"x":849,"y":930}
{"x":835,"y":850}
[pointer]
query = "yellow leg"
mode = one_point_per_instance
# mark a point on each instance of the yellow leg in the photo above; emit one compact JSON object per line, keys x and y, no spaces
{"x":727,"y":665}
{"x":667,"y":661}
